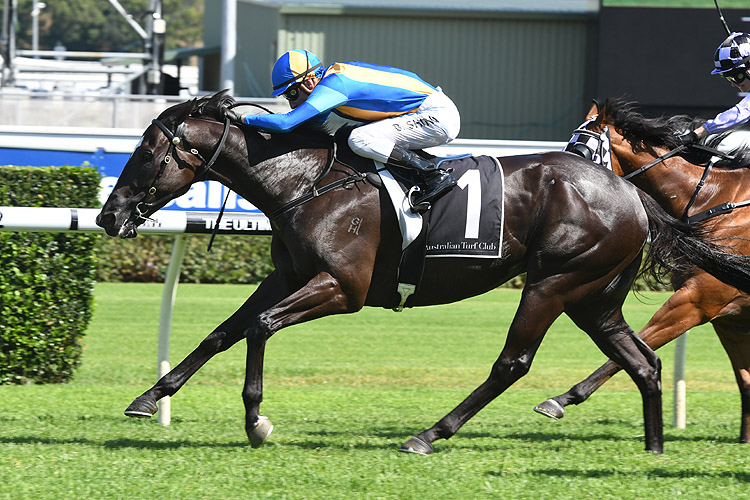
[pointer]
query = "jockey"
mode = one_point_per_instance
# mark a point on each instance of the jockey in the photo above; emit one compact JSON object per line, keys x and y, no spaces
{"x":731,"y":61}
{"x":394,"y":112}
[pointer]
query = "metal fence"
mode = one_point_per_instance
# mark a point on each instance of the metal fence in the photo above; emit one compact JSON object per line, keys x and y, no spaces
{"x":63,"y":109}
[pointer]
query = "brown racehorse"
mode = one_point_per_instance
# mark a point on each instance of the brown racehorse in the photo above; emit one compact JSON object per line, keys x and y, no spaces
{"x":581,"y":251}
{"x":637,"y":141}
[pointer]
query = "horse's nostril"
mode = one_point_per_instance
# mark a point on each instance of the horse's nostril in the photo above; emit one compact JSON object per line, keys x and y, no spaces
{"x":105,"y":220}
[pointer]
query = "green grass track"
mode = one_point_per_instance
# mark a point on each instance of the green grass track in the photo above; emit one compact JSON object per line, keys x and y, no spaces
{"x":343,"y":393}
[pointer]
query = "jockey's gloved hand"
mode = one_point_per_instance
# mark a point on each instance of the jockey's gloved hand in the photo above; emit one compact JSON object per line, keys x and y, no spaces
{"x":687,"y":138}
{"x":233,"y":116}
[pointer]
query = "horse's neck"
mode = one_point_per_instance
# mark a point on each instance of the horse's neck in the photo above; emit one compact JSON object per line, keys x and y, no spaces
{"x":672,"y":183}
{"x":289,"y":175}
{"x":268,"y":172}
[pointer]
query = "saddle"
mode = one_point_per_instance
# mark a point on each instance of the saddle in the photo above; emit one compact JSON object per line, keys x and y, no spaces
{"x":465,"y":222}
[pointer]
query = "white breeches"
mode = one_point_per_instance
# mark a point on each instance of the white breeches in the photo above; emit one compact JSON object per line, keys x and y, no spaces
{"x":435,"y":122}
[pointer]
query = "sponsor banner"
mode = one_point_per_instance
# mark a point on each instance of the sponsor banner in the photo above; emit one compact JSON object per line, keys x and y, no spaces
{"x":202,"y":196}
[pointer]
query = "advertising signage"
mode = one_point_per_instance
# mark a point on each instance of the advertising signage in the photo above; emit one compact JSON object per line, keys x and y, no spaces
{"x":23,"y":149}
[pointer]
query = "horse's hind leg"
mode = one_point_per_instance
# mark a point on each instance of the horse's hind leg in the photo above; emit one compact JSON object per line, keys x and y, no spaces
{"x":599,"y":314}
{"x":680,"y":313}
{"x":736,"y":342}
{"x":536,"y":312}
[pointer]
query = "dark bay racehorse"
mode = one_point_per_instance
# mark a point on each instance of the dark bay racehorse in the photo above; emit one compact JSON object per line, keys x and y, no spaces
{"x":637,"y":141}
{"x":575,"y":229}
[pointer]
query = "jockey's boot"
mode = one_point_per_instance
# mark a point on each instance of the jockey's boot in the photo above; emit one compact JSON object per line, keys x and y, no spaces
{"x":437,"y":181}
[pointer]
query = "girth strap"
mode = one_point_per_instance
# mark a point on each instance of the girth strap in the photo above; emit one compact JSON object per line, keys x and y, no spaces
{"x":724,"y":208}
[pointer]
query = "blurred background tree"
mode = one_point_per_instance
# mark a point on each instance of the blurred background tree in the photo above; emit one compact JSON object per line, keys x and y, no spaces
{"x":95,"y":25}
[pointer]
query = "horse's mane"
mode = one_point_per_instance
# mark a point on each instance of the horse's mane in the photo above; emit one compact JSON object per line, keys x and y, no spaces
{"x":644,"y":133}
{"x":210,"y":107}
{"x":214,"y":107}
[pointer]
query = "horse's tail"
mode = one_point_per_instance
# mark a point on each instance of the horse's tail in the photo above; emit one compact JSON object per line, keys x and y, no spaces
{"x":676,"y":246}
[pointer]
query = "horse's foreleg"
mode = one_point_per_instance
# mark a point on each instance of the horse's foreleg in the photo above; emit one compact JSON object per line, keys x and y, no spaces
{"x":681,"y":312}
{"x":225,"y":336}
{"x":321,"y":296}
{"x":532,"y":319}
{"x":736,"y":343}
{"x":219,"y":340}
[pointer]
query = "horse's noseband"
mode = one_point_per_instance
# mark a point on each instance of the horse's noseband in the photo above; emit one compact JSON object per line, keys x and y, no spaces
{"x":175,"y":139}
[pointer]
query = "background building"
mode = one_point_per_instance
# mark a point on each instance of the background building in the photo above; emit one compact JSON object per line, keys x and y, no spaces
{"x":663,"y":57}
{"x":516,"y":70}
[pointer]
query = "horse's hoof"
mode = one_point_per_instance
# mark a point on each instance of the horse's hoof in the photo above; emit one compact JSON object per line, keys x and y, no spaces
{"x":141,"y":408}
{"x":260,"y":433}
{"x":417,"y":445}
{"x":551,"y":409}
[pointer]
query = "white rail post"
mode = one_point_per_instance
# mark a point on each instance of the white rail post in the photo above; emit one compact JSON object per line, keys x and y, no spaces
{"x":165,"y":320}
{"x":680,"y":349}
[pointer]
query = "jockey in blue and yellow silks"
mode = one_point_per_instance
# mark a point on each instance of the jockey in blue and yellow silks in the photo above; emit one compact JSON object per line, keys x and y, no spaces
{"x":394,"y":111}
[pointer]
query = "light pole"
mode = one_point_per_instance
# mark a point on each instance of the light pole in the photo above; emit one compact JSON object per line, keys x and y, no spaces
{"x":38,"y":6}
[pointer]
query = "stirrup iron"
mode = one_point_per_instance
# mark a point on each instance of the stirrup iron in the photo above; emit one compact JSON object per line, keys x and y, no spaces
{"x":419,"y":207}
{"x":404,"y":290}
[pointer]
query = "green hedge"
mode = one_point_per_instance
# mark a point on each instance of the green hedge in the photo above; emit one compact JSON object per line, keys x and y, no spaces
{"x":46,"y":279}
{"x":233,"y":259}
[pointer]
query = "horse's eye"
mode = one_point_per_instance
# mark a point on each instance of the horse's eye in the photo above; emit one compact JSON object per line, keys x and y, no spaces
{"x":147,"y":154}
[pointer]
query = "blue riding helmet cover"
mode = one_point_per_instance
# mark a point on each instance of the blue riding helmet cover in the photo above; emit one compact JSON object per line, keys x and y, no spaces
{"x":292,"y":67}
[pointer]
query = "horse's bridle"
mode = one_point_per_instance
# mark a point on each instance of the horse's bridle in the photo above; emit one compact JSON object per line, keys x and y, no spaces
{"x":175,"y":139}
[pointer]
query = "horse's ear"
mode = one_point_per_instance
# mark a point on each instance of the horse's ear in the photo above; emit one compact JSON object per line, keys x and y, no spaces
{"x":594,"y":109}
{"x":178,"y":113}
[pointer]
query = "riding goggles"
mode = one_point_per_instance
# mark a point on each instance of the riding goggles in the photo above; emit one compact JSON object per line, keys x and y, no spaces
{"x":292,"y":93}
{"x":736,"y":77}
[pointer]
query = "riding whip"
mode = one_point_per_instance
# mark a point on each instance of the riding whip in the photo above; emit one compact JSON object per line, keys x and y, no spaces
{"x":721,"y":17}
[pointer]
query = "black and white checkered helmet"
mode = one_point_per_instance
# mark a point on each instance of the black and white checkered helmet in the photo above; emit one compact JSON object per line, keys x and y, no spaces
{"x":732,"y":54}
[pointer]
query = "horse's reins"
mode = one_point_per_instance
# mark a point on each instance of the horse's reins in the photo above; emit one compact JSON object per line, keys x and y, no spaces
{"x":660,"y":159}
{"x":675,"y":151}
{"x":724,"y":208}
{"x":350,"y":179}
{"x":353,"y":178}
{"x":175,"y":139}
